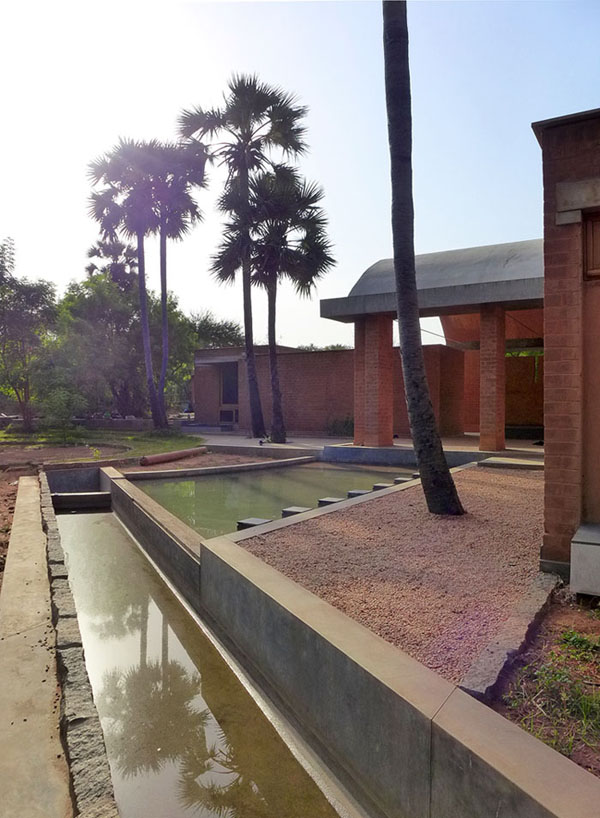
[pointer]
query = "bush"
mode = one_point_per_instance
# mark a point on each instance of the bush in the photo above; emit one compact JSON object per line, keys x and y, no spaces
{"x":341,"y":428}
{"x":60,"y":405}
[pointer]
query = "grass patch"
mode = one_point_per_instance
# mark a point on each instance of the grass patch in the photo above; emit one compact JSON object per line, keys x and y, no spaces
{"x":558,"y":700}
{"x":137,"y":443}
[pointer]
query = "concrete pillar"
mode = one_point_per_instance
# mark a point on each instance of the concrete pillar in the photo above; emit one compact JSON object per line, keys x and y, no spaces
{"x":492,"y":379}
{"x":378,"y":381}
{"x":359,"y":382}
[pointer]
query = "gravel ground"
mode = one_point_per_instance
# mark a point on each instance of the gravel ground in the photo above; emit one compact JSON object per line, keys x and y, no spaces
{"x":437,"y":587}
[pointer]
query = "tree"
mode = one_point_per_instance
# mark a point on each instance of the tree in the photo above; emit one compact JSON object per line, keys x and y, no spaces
{"x":117,"y":259}
{"x":255,"y":119}
{"x":214,"y":333}
{"x":27,"y":312}
{"x":438,"y":486}
{"x":288,"y":241}
{"x":177,"y":169}
{"x":126,"y":205}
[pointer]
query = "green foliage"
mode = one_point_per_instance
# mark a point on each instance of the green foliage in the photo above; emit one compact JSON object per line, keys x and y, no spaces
{"x":27,"y":314}
{"x":326,"y":348}
{"x":214,"y":333}
{"x":341,"y":427}
{"x":60,"y":405}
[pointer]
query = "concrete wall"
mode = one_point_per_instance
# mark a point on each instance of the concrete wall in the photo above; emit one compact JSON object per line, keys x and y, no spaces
{"x":407,"y":743}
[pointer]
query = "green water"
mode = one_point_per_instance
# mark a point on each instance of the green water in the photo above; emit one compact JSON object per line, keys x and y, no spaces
{"x":213,"y":504}
{"x":183,"y":736}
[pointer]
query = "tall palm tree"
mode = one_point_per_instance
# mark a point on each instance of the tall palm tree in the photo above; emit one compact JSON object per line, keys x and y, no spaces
{"x":438,"y":485}
{"x":255,"y":119}
{"x":126,"y":205}
{"x":176,"y":170}
{"x":288,"y":241}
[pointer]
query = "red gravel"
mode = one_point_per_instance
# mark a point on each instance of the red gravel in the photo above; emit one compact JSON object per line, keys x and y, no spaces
{"x":437,"y":587}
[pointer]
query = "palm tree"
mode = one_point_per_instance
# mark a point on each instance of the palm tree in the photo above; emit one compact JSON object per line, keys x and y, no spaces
{"x":126,"y":205}
{"x":255,"y":119}
{"x":438,"y":486}
{"x":288,"y":241}
{"x":177,"y":168}
{"x":115,"y":259}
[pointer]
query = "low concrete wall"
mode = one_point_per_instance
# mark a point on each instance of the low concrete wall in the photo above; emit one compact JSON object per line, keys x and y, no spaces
{"x":267,"y":450}
{"x":173,"y":546}
{"x":69,"y":480}
{"x":395,"y":456}
{"x":407,"y":743}
{"x":199,"y":471}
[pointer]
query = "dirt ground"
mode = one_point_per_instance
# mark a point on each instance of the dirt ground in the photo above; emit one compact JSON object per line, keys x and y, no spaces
{"x":437,"y":587}
{"x":554,"y":689}
{"x":13,"y":455}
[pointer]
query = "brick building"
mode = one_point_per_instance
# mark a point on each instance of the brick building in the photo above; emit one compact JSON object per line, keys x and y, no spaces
{"x":489,"y":300}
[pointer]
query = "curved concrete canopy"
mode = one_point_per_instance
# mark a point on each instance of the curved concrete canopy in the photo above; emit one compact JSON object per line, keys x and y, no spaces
{"x":452,"y":281}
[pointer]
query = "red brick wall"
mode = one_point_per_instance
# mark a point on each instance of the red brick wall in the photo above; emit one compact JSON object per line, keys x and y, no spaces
{"x":492,"y":378}
{"x":452,"y":404}
{"x":206,"y":386}
{"x":524,"y":392}
{"x":570,"y":153}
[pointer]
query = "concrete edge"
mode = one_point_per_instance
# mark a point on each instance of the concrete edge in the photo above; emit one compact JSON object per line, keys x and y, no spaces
{"x":204,"y":470}
{"x":511,"y":463}
{"x":81,"y":731}
{"x":563,"y":569}
{"x":488,"y":671}
{"x":34,"y":772}
{"x":266,"y":450}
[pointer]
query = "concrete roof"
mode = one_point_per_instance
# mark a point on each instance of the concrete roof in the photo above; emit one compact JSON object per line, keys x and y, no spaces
{"x":558,"y":121}
{"x":452,"y":281}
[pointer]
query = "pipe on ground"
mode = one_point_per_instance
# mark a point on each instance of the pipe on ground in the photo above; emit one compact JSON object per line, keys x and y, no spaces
{"x":166,"y":457}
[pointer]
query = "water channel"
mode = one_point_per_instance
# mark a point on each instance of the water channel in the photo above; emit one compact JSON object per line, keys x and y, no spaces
{"x":212,"y":504}
{"x":183,"y":736}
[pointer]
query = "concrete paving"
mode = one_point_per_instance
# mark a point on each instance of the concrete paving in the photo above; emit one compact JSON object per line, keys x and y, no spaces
{"x":34,"y":777}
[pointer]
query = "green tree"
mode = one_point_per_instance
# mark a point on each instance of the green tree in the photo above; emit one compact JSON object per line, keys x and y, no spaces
{"x":438,"y":486}
{"x":214,"y":333}
{"x":27,"y":313}
{"x":255,"y":119}
{"x":115,"y":258}
{"x":126,"y":205}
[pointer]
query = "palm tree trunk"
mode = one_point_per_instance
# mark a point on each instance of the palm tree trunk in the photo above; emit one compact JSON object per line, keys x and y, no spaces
{"x":144,"y":632}
{"x":164,"y":324}
{"x":277,"y":424}
{"x":438,"y":485}
{"x":256,"y":413}
{"x":152,"y":396}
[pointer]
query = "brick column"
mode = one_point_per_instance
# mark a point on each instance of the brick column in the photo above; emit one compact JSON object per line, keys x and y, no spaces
{"x":378,"y":381}
{"x":359,"y":382}
{"x":492,"y":378}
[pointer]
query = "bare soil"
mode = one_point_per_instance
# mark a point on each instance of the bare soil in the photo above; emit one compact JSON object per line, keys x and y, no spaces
{"x":17,"y":455}
{"x":554,"y":689}
{"x":437,"y":587}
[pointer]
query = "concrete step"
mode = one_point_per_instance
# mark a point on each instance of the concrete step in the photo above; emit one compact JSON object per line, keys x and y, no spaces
{"x":379,"y":486}
{"x":512,"y":463}
{"x":358,"y":492}
{"x":329,"y":501}
{"x":250,"y":522}
{"x":291,"y":510}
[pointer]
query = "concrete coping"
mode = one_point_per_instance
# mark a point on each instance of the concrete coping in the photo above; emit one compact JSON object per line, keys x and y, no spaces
{"x":200,"y":471}
{"x":511,"y":463}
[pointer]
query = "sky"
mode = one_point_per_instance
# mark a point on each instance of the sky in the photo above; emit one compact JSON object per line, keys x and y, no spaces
{"x":77,"y":76}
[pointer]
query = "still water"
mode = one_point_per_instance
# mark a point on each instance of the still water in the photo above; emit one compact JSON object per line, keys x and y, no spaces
{"x":183,"y":736}
{"x":213,"y":504}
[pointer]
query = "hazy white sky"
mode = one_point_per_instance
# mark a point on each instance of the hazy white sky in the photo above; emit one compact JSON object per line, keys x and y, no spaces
{"x":76,"y":76}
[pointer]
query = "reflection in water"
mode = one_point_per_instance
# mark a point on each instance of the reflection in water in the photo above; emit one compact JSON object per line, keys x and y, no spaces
{"x":213,"y":504}
{"x":183,"y":737}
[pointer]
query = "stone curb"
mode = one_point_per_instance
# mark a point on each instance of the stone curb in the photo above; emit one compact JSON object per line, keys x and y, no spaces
{"x":489,"y":669}
{"x":79,"y":722}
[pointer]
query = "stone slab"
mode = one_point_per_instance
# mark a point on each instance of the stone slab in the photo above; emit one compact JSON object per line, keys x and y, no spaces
{"x":329,"y":501}
{"x":291,"y":510}
{"x":358,"y":492}
{"x":399,"y":480}
{"x":380,"y":486}
{"x":250,"y":522}
{"x":511,"y":463}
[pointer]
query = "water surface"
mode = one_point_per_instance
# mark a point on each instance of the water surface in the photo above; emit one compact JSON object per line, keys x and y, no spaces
{"x":183,"y":736}
{"x":213,"y":504}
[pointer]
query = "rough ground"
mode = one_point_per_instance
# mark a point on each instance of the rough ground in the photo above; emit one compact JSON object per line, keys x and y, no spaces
{"x":554,"y":689}
{"x":12,"y":455}
{"x":437,"y":587}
